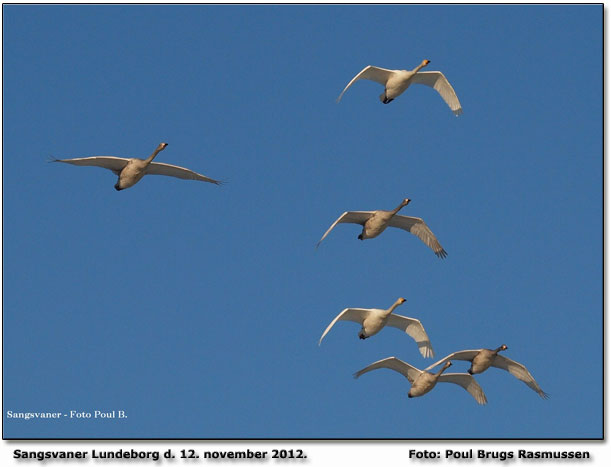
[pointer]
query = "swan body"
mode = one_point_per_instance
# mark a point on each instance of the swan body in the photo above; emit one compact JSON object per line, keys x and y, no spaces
{"x":395,"y":82}
{"x":131,"y":170}
{"x":373,"y":320}
{"x":423,"y":381}
{"x":482,"y":359}
{"x":375,"y":222}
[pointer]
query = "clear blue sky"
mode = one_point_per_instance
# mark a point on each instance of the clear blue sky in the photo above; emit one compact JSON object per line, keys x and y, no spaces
{"x":197,"y":309}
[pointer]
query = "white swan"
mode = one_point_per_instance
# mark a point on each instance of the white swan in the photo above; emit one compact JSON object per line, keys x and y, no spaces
{"x":374,"y":319}
{"x":131,"y":170}
{"x":397,"y":81}
{"x":482,"y":359}
{"x":423,"y":381}
{"x":375,"y":222}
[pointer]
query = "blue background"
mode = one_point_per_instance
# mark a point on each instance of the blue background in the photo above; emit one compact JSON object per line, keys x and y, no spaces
{"x":197,"y":309}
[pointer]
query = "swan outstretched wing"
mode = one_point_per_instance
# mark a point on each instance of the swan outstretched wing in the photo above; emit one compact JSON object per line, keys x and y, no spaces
{"x":437,"y":81}
{"x":468,"y":355}
{"x":348,"y":314}
{"x":351,"y":217}
{"x":159,"y":168}
{"x":393,"y":363}
{"x":519,"y":371}
{"x":417,"y":226}
{"x":466,"y":381}
{"x":373,"y":73}
{"x":115,"y":164}
{"x":413,"y":328}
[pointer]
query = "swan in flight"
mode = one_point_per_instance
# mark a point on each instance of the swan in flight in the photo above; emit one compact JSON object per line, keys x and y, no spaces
{"x":482,"y":359}
{"x":375,"y":222}
{"x":131,"y":170}
{"x":397,"y":81}
{"x":423,"y":381}
{"x":373,"y":320}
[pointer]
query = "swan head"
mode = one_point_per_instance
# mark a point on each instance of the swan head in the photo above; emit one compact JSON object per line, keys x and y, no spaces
{"x":405,"y":202}
{"x":425,"y":62}
{"x":503,"y":347}
{"x":447,"y":365}
{"x":162,"y":146}
{"x":401,"y":300}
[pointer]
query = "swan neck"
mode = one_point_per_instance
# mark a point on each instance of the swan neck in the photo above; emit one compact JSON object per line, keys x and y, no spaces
{"x":443,"y":368}
{"x":392,"y":308}
{"x":150,"y":158}
{"x":398,"y":208}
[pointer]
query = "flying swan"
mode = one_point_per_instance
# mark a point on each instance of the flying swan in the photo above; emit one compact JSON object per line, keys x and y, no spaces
{"x":374,"y":319}
{"x":397,"y":81}
{"x":375,"y":222}
{"x":131,"y":170}
{"x":423,"y":381}
{"x":482,"y":359}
